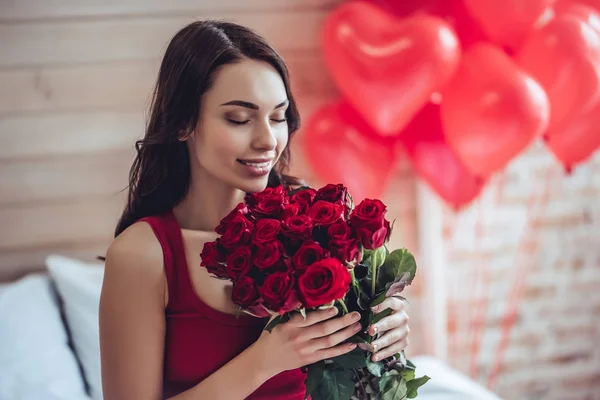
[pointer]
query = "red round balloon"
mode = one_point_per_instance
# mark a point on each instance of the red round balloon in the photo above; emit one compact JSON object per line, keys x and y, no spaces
{"x":435,"y":162}
{"x":575,"y":139}
{"x":507,"y":23}
{"x":492,"y":110}
{"x":453,"y":11}
{"x":387,"y":68}
{"x":564,"y":57}
{"x":341,"y":148}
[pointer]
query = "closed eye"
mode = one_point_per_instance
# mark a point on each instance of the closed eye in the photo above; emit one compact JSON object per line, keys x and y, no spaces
{"x":235,"y":122}
{"x":278,"y":120}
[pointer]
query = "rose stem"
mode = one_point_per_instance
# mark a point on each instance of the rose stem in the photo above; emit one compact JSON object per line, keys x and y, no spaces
{"x":341,"y":301}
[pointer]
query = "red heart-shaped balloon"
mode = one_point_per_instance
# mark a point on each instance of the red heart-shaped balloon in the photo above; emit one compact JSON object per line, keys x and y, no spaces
{"x":387,"y":68}
{"x":575,"y":139}
{"x":435,"y":162}
{"x":507,"y":22}
{"x":453,"y":11}
{"x":564,"y":57}
{"x":341,"y":148}
{"x":492,"y":110}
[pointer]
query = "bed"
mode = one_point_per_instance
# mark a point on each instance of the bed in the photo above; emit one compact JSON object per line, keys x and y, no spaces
{"x":49,"y":347}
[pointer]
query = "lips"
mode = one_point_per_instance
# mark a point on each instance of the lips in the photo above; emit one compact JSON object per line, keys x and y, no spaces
{"x":257,"y":162}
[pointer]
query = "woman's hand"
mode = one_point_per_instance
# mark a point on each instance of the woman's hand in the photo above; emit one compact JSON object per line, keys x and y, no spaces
{"x":393,"y":329}
{"x":301,"y":342}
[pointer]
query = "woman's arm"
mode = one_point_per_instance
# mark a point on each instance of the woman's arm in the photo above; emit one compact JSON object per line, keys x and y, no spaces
{"x":132,"y":328}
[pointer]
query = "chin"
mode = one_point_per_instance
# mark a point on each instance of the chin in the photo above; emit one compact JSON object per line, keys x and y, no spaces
{"x":253,"y":186}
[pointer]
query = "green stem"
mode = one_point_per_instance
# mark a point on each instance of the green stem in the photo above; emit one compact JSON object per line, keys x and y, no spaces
{"x":354,"y":283}
{"x":341,"y":301}
{"x":373,"y":279}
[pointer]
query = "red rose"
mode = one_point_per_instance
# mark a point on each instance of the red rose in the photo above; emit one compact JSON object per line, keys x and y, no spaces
{"x":339,"y":231}
{"x":239,"y":261}
{"x":342,"y":244}
{"x":323,"y":282}
{"x":290,"y":210}
{"x":268,"y":254}
{"x":268,"y":203}
{"x":333,"y":193}
{"x":304,"y":198}
{"x":298,"y":227}
{"x":368,"y":220}
{"x":271,"y":192}
{"x":309,"y":253}
{"x":372,"y":240}
{"x":213,"y":260}
{"x":244,"y":292}
{"x":240,"y":209}
{"x":238,"y":231}
{"x":278,"y":293}
{"x":325,"y":213}
{"x":266,"y":230}
{"x":347,"y":251}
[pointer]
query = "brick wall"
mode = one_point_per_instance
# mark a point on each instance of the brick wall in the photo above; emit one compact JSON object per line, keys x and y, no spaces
{"x":537,"y":223}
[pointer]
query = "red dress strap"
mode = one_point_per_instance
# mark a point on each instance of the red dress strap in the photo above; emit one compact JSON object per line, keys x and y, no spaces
{"x":167,"y":232}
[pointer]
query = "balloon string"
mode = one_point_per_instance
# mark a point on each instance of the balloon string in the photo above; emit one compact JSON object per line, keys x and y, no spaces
{"x":516,"y":292}
{"x":482,"y":281}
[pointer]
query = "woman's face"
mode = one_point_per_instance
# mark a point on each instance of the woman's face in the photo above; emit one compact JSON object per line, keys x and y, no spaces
{"x":242,"y":129}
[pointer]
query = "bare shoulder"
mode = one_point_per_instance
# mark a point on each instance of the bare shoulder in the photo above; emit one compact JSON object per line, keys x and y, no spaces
{"x":135,"y":254}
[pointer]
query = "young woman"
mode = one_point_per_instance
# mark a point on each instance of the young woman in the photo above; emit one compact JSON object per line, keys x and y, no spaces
{"x":220,"y":124}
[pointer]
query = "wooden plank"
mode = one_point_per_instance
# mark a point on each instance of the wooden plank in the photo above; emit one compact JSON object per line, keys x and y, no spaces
{"x":64,"y":178}
{"x":56,"y":134}
{"x":15,"y":264}
{"x":120,"y":86}
{"x":76,"y":133}
{"x":66,"y":223}
{"x":36,"y":9}
{"x":140,"y":38}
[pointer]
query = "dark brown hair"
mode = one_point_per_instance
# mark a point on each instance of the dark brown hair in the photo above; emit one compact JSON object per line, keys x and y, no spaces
{"x":160,"y":175}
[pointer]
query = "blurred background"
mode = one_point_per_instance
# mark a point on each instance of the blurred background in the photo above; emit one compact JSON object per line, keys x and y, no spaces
{"x":477,"y":122}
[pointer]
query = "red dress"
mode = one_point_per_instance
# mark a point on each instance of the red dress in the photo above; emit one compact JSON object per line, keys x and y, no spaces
{"x":199,"y":339}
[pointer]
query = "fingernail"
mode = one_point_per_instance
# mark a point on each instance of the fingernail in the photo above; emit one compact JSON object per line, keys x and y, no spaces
{"x":377,"y":358}
{"x":333,"y":311}
{"x":375,"y":347}
{"x":375,"y":309}
{"x":374,"y":328}
{"x":356,"y":327}
{"x":355,"y":316}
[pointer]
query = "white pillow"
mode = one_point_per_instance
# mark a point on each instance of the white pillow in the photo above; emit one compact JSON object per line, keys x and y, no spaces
{"x":35,"y":359}
{"x":79,"y":285}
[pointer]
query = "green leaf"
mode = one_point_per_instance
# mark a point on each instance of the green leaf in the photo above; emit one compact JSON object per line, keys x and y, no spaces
{"x":398,"y":270}
{"x":413,"y":385}
{"x":375,"y":368}
{"x":337,"y":384}
{"x":379,"y":299}
{"x":354,"y":359}
{"x":408,"y":374}
{"x":379,"y":316}
{"x":392,"y":386}
{"x":314,"y":376}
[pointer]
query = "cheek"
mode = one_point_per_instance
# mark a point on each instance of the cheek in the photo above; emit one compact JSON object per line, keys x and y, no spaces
{"x":282,"y":140}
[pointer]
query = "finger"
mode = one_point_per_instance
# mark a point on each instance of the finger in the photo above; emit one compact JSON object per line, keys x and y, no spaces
{"x":389,"y":338}
{"x":314,"y":317}
{"x":335,"y":338}
{"x":390,"y":350}
{"x":396,"y":320}
{"x":393,"y":303}
{"x":332,"y":352}
{"x":328,"y":327}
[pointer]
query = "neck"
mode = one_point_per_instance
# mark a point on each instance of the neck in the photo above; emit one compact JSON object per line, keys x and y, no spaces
{"x":206,"y":203}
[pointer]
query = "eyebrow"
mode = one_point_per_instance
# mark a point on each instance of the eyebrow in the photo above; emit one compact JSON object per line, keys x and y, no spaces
{"x":252,"y":106}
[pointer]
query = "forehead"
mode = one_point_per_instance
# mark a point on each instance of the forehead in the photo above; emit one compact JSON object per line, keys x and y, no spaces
{"x":248,"y":80}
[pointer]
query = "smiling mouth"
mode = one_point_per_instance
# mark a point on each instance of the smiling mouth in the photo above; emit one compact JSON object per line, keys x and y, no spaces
{"x":256,"y":164}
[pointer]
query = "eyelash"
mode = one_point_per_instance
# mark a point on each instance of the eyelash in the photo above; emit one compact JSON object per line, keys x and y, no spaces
{"x":279,"y":121}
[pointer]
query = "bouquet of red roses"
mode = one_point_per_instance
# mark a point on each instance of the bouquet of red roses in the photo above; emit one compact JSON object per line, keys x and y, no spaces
{"x":293,"y":251}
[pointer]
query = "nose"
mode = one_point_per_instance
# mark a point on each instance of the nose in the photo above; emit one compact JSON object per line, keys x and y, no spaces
{"x":264,"y":137}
